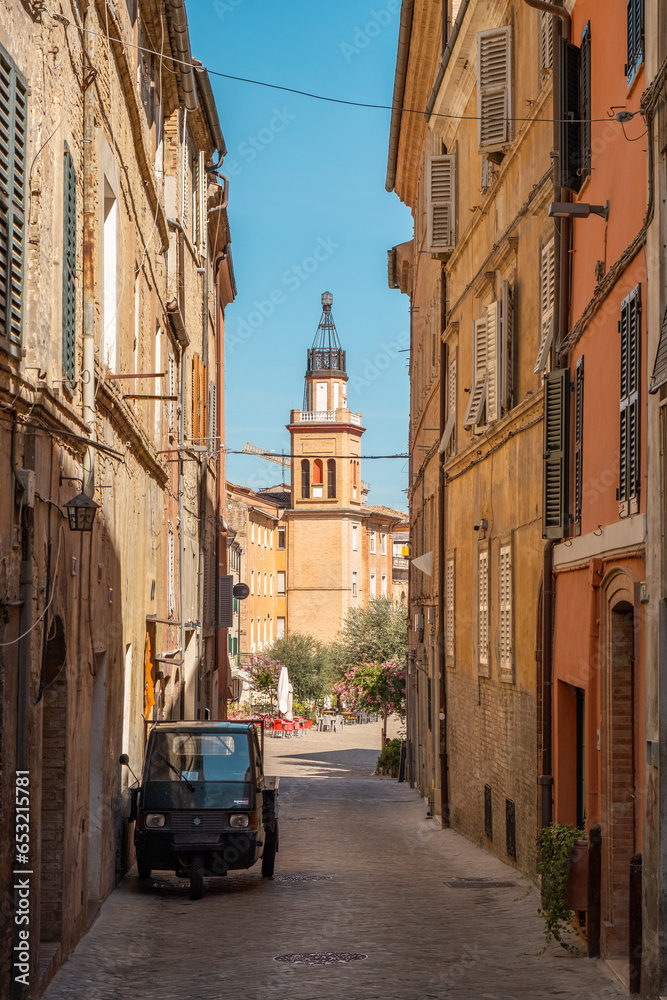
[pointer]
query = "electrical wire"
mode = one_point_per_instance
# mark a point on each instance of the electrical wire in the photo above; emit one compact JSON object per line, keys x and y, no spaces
{"x":53,"y":593}
{"x":322,"y":97}
{"x":272,"y":454}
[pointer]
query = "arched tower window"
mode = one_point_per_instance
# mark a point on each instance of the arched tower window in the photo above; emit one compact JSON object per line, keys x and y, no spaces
{"x":305,"y":479}
{"x":331,"y":478}
{"x":318,"y":472}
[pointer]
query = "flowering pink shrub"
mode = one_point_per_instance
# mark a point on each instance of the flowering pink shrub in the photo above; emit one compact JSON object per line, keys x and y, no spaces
{"x":264,"y":673}
{"x":374,"y":686}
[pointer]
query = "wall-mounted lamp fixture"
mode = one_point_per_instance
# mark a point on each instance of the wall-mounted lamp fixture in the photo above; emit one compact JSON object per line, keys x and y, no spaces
{"x":81,"y":508}
{"x":577,"y":210}
{"x":482,"y":526}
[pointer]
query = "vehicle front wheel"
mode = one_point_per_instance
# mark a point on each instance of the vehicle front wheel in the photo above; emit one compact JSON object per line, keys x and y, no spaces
{"x":270,"y":848}
{"x":143,"y":870}
{"x":196,"y":877}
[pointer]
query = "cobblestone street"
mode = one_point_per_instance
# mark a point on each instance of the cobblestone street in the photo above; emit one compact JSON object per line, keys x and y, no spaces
{"x":361,"y":870}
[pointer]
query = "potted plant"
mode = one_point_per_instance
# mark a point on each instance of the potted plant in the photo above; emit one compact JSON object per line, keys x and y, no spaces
{"x":563,"y":870}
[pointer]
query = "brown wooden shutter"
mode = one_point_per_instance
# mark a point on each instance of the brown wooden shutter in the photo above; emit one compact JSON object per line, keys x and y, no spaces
{"x":629,"y":443}
{"x":570,"y":126}
{"x":556,"y":428}
{"x":441,"y":200}
{"x":586,"y":101}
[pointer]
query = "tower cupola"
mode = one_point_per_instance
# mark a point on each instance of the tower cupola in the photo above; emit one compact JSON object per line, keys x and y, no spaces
{"x":326,"y":365}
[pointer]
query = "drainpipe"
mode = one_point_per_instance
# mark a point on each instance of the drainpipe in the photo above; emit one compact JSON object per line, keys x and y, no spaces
{"x":442,"y":554}
{"x":178,"y":228}
{"x":404,"y":32}
{"x":179,"y":22}
{"x":562,"y":238}
{"x":89,"y":170}
{"x":203,"y":487}
{"x":220,"y":523}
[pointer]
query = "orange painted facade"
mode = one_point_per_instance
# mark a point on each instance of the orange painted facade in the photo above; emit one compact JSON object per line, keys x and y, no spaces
{"x":598,"y":647}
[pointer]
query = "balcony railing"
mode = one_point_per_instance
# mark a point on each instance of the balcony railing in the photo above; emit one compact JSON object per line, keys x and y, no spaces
{"x":399,"y":563}
{"x":341,"y":416}
{"x":318,"y":416}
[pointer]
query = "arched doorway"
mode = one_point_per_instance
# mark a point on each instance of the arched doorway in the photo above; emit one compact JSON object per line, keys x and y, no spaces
{"x":620,"y":781}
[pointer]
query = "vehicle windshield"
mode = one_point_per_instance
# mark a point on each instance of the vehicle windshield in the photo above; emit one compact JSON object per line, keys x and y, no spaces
{"x":187,"y":757}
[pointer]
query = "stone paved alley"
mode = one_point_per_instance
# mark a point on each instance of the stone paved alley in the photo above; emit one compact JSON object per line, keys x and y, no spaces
{"x":388,"y":886}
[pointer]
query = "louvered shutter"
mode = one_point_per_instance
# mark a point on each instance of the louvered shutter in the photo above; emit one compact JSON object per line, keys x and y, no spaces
{"x":547,"y":302}
{"x":483,"y":610}
{"x":69,"y":267}
{"x":505,"y":610}
{"x":578,"y":444}
{"x":570,"y":125}
{"x":449,"y":436}
{"x":494,"y":96}
{"x":225,"y":601}
{"x":507,"y":367}
{"x":171,"y":409}
{"x":441,"y":200}
{"x":212,"y":419}
{"x":659,"y":376}
{"x":586,"y":151}
{"x":546,"y":42}
{"x":628,"y":491}
{"x":13,"y":149}
{"x":478,"y":390}
{"x":202,"y":206}
{"x":635,"y":37}
{"x":185,"y":176}
{"x":449,"y":609}
{"x":205,"y":589}
{"x":196,"y":388}
{"x":556,"y":428}
{"x":203,"y":387}
{"x":494,"y":355}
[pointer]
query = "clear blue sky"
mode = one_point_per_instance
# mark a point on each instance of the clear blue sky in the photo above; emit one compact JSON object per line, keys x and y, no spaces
{"x":307,"y":174}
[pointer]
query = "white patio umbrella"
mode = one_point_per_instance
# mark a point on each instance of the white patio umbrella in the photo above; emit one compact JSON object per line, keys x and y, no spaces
{"x":283,"y":691}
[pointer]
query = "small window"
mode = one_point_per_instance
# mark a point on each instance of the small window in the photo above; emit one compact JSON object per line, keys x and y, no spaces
{"x":354,"y":584}
{"x":635,"y":38}
{"x":281,"y":581}
{"x":372,"y":541}
{"x":383,"y":589}
{"x":271,"y":585}
{"x":354,"y":537}
{"x":331,"y":478}
{"x":280,"y":631}
{"x":281,"y":538}
{"x":372,"y":586}
{"x":318,"y":471}
{"x":252,"y":532}
{"x":383,"y":543}
{"x":305,"y":479}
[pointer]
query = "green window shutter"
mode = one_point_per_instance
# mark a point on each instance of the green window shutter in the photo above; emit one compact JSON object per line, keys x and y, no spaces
{"x":13,"y":154}
{"x":556,"y":430}
{"x":570,"y":126}
{"x":629,"y":442}
{"x":236,"y":646}
{"x":69,"y":267}
{"x":229,"y":644}
{"x":586,"y":101}
{"x":578,"y":443}
{"x":635,"y":37}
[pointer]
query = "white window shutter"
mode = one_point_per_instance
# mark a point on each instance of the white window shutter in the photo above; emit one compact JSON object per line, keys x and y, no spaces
{"x":546,"y":41}
{"x":202,"y":203}
{"x":451,"y":407}
{"x":494,"y":90}
{"x":441,"y":200}
{"x":507,"y":341}
{"x":494,"y":357}
{"x":505,"y":610}
{"x":185,"y":177}
{"x":478,"y":391}
{"x":449,"y":608}
{"x":547,"y":302}
{"x":483,"y":609}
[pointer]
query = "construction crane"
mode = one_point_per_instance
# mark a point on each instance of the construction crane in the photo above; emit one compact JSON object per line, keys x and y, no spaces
{"x":252,"y":449}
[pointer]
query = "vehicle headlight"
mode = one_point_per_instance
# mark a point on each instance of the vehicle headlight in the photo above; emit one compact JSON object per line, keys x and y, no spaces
{"x":239,"y":820}
{"x":154,"y":820}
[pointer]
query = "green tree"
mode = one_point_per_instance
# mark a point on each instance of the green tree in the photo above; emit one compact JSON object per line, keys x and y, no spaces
{"x":377,"y":633}
{"x":309,"y":663}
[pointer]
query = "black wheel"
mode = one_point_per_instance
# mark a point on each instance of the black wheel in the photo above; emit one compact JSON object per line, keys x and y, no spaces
{"x":270,"y":848}
{"x":196,"y":877}
{"x":144,"y":870}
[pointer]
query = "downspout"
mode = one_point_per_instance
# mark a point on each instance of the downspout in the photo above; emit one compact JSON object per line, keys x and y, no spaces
{"x":177,"y":227}
{"x":203,"y":494}
{"x":446,"y":56}
{"x":441,"y":665}
{"x":220,"y":645}
{"x":179,"y":23}
{"x":404,"y":32}
{"x":562,"y":238}
{"x":89,"y":171}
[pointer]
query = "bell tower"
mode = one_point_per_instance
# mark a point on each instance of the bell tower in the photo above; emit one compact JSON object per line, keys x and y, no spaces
{"x":325,"y":434}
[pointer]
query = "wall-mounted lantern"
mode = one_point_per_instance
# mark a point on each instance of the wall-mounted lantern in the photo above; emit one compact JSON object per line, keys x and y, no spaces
{"x":81,"y":512}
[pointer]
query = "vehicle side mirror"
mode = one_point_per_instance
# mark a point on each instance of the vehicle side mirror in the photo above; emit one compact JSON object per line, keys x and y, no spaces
{"x":124,"y":759}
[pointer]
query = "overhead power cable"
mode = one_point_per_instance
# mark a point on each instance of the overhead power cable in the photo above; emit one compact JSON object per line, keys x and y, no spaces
{"x":273,"y":454}
{"x":321,"y":97}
